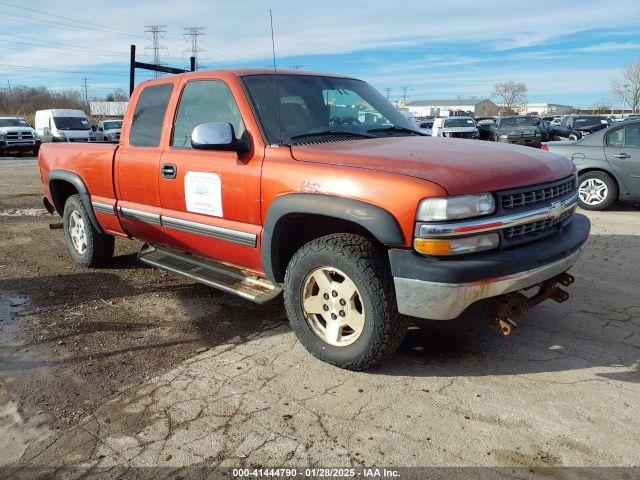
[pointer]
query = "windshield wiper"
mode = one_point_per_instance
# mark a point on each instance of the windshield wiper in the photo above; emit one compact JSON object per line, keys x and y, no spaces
{"x":330,"y":132}
{"x":395,"y":128}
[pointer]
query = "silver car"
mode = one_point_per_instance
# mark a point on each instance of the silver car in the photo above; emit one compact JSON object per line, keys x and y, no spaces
{"x":608,"y":164}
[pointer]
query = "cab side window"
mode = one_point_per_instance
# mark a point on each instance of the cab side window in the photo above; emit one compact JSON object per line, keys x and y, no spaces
{"x":205,"y":101}
{"x":148,"y":117}
{"x":616,"y":138}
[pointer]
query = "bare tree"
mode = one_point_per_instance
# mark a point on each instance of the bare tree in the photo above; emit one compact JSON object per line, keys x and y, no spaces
{"x":118,"y":95}
{"x":628,"y":90}
{"x":513,"y":95}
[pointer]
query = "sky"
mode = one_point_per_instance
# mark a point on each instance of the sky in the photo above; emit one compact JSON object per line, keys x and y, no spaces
{"x":566,"y":52}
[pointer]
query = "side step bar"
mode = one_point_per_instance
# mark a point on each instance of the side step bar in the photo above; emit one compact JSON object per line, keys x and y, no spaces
{"x":210,"y":273}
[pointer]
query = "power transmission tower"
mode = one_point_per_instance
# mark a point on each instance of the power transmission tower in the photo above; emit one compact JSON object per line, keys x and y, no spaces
{"x":193,"y":35}
{"x":387,"y":92}
{"x":296,"y":66}
{"x":86,"y":94}
{"x":157,"y":32}
{"x":405,"y":91}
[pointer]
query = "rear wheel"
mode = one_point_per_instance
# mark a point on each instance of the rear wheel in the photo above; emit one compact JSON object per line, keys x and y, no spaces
{"x":86,"y":245}
{"x":341,"y":303}
{"x":596,"y":191}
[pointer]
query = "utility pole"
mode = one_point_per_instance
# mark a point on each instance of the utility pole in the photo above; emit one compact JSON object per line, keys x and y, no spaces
{"x":86,"y":94}
{"x":193,"y":35}
{"x":405,"y":91}
{"x":9,"y":85}
{"x":387,"y":92}
{"x":157,"y":32}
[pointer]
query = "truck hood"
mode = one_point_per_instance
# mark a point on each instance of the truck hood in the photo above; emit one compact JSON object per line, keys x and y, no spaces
{"x":16,"y":129}
{"x":459,"y":166}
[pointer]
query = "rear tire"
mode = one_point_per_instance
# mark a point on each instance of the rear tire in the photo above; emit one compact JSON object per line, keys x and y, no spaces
{"x":87,"y":246}
{"x":352,"y":330}
{"x":596,"y":191}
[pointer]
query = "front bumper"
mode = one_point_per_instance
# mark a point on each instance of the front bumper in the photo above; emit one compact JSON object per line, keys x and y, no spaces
{"x":526,"y":141}
{"x":440,"y":289}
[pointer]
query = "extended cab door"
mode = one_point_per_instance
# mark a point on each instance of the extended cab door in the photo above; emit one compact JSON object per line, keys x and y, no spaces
{"x":211,"y":199}
{"x":137,"y":168}
{"x":622,"y":148}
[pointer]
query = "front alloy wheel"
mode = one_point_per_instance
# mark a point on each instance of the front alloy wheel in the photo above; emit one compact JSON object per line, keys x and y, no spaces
{"x":333,"y":306}
{"x":341,"y":303}
{"x":596,"y":191}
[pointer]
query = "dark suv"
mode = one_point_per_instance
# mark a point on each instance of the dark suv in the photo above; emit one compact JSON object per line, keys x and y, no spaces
{"x":574,"y":127}
{"x":520,"y":129}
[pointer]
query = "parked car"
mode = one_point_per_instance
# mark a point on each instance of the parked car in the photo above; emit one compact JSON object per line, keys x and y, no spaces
{"x":63,"y":125}
{"x":16,"y":135}
{"x":108,"y":130}
{"x":608,"y":164}
{"x":519,"y":130}
{"x":545,"y":129}
{"x":574,"y":127}
{"x":425,"y":125}
{"x":258,"y":190}
{"x":455,"y":127}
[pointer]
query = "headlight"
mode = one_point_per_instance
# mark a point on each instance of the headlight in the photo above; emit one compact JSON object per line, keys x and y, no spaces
{"x":3,"y":135}
{"x":504,"y":135}
{"x":452,"y":208}
{"x":513,"y":132}
{"x":36,"y":136}
{"x":457,"y":246}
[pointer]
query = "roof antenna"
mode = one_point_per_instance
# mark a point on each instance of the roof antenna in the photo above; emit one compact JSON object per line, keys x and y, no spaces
{"x":275,"y":78}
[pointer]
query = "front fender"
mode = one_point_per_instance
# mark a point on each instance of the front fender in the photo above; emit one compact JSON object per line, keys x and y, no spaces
{"x":376,"y":220}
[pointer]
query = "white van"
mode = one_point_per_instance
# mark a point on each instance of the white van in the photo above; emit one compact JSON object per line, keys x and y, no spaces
{"x":63,"y":125}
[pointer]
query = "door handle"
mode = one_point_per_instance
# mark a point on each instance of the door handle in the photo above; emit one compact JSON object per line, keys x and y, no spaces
{"x":622,"y":155}
{"x":168,"y":170}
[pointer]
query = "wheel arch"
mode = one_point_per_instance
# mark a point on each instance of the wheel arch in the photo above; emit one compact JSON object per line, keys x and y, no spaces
{"x":63,"y":184}
{"x":313,"y":215}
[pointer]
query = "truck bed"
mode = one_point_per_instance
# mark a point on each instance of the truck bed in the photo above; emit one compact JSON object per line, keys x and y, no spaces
{"x":92,"y":162}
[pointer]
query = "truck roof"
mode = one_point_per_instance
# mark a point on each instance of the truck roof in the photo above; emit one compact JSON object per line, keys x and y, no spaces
{"x":61,"y":112}
{"x":248,"y":71}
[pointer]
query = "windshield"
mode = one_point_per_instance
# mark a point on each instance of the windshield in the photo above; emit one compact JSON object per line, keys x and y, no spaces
{"x":13,"y":122}
{"x":459,"y":122}
{"x":309,"y":103}
{"x":115,"y":125}
{"x":71,"y":123}
{"x":517,"y":122}
{"x":580,"y":122}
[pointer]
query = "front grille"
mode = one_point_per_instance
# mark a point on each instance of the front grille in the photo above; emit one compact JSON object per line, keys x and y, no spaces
{"x":535,"y":228}
{"x":529,"y":196}
{"x":461,"y":134}
{"x":19,"y":136}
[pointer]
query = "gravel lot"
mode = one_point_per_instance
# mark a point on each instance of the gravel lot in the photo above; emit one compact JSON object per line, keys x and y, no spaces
{"x":130,"y":366}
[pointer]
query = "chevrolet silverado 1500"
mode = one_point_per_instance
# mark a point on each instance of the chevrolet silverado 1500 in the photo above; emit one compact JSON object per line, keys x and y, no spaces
{"x":316,"y":187}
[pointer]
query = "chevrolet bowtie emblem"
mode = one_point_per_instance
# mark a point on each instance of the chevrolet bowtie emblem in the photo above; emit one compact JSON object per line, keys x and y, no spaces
{"x":556,"y":210}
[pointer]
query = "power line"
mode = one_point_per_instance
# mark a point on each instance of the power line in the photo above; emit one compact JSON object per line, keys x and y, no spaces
{"x":47,"y":42}
{"x":193,"y":35}
{"x":157,"y":32}
{"x":117,"y":31}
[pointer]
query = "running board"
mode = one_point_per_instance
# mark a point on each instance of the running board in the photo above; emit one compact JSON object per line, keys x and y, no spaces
{"x":208,"y":272}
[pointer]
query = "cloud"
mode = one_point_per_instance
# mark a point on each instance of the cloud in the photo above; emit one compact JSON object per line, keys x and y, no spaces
{"x":610,"y":47}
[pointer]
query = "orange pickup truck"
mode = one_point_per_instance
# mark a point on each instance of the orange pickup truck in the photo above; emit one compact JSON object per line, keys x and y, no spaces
{"x":314,"y":186}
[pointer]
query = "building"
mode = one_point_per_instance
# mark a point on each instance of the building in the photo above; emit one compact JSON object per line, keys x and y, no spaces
{"x":443,"y":108}
{"x":545,"y":109}
{"x":108,"y":109}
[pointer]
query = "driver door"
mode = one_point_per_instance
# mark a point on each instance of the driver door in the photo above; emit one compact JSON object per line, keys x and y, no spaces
{"x":211,"y":198}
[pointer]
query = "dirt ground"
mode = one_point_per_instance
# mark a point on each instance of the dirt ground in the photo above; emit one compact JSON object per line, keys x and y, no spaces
{"x":129,"y":366}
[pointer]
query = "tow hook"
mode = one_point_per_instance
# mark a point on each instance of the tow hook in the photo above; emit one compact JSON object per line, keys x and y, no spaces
{"x":508,"y":306}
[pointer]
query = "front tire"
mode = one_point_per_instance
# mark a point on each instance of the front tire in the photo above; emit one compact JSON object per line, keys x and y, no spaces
{"x":86,"y":245}
{"x":596,"y":191}
{"x":340,"y":301}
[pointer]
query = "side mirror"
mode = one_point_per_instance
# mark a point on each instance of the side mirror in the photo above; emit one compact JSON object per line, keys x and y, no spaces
{"x":424,"y":125}
{"x":217,"y":136}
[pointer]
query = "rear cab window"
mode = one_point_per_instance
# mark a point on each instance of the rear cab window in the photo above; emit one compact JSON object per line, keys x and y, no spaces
{"x":148,"y":117}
